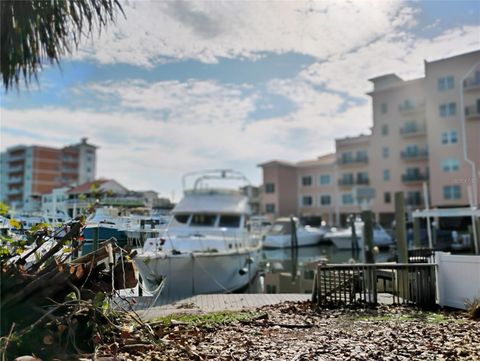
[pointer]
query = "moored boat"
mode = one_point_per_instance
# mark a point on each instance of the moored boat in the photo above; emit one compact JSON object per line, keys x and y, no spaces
{"x":207,"y":247}
{"x":280,"y":234}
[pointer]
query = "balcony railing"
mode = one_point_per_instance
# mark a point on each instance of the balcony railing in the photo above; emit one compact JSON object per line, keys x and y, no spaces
{"x":15,"y":180}
{"x":415,"y":177}
{"x":416,"y":129}
{"x":16,"y":158}
{"x":356,"y":160}
{"x":353,"y":182}
{"x":17,"y":168}
{"x":14,"y":191}
{"x":414,"y":155}
{"x":410,"y":107}
{"x":472,"y":111}
{"x":471,"y":83}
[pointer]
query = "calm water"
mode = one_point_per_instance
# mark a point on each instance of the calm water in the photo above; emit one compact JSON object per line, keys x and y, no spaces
{"x":284,"y":261}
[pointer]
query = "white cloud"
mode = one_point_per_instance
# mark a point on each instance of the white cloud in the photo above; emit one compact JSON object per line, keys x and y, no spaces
{"x":208,"y":30}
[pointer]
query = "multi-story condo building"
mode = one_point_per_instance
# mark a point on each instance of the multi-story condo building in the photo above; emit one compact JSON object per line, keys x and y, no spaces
{"x":27,"y":172}
{"x":425,"y":130}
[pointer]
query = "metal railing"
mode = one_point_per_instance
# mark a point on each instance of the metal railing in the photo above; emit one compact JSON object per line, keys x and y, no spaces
{"x":413,"y":129}
{"x":418,"y":154}
{"x":471,"y":83}
{"x":415,"y":177}
{"x":472,"y":111}
{"x":407,"y":283}
{"x":356,"y":160}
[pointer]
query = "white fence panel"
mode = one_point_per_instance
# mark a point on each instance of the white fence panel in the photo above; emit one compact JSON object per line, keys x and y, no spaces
{"x":458,"y":279}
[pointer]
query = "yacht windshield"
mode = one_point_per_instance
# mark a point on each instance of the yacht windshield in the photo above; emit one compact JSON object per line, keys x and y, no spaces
{"x":203,"y":220}
{"x":281,"y":228}
{"x":182,"y":218}
{"x":229,"y":221}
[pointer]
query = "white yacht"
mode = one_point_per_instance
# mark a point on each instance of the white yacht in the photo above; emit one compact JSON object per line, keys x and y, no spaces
{"x":280,"y":234}
{"x":207,"y":247}
{"x":342,"y":238}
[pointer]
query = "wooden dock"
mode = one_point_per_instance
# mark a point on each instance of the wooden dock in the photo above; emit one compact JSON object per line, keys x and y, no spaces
{"x":213,"y":303}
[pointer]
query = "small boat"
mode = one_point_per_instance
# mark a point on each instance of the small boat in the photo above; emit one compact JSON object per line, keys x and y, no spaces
{"x":342,"y":238}
{"x":280,"y":234}
{"x":104,"y":224}
{"x":207,"y":246}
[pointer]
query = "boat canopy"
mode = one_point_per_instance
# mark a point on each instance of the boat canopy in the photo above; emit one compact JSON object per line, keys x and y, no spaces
{"x":213,"y":202}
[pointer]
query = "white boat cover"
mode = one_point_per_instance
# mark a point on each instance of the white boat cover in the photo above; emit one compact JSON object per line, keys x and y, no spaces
{"x":213,"y":202}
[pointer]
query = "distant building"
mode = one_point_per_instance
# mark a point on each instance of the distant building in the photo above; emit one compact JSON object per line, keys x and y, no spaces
{"x":253,"y":194}
{"x":27,"y":172}
{"x":101,"y":192}
{"x":423,"y":129}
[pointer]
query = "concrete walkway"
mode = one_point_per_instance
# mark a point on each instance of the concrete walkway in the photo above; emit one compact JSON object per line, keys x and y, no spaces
{"x":214,"y":303}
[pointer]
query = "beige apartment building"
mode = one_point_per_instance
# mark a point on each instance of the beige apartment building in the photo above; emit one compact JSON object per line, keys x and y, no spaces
{"x":424,"y":130}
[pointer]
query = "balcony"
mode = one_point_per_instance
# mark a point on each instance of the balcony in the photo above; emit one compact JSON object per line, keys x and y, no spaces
{"x":413,"y":130}
{"x":15,"y":180}
{"x":14,"y":191}
{"x":472,"y":111}
{"x":414,"y":177}
{"x":356,"y":160}
{"x":16,"y":158}
{"x":353,"y":182}
{"x":17,"y":168}
{"x":419,"y":154}
{"x":471,"y":83}
{"x":410,"y":107}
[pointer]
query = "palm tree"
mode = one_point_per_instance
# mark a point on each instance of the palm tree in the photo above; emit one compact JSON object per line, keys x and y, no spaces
{"x":36,"y":31}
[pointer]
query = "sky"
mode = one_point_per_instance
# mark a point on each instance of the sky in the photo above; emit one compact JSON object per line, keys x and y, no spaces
{"x":175,"y":87}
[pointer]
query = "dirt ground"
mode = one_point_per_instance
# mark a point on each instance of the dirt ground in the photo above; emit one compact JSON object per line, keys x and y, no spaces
{"x":298,"y":331}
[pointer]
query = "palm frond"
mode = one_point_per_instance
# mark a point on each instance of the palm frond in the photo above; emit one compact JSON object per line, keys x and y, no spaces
{"x":39,"y":31}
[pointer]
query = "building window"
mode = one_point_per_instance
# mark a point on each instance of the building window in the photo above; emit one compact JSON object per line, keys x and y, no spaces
{"x":414,"y":198}
{"x":387,"y":197}
{"x":269,"y":187}
{"x":385,"y":152}
{"x":445,"y":83}
{"x":362,"y":156}
{"x":449,"y":137}
{"x":362,"y":178}
{"x":383,"y":108}
{"x":307,"y":201}
{"x":270,"y":208}
{"x":347,"y":198}
{"x":325,"y":179}
{"x":346,"y":158}
{"x":450,"y":165}
{"x":306,"y":181}
{"x":325,"y":200}
{"x":386,"y":175}
{"x":451,"y":192}
{"x":384,"y":129}
{"x":448,"y":109}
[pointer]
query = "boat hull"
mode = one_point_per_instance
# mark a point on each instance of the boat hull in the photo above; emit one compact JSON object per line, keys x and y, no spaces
{"x":285,"y":240}
{"x":198,"y":273}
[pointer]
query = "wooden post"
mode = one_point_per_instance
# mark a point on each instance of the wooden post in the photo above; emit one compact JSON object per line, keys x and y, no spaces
{"x":368,"y":236}
{"x":400,"y":231}
{"x":477,"y":248}
{"x":294,"y":248}
{"x":416,"y":233}
{"x":402,"y":250}
{"x":96,"y":235}
{"x":354,"y":236}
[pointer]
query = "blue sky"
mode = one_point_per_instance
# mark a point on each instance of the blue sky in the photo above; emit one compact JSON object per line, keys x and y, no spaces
{"x":181,"y":86}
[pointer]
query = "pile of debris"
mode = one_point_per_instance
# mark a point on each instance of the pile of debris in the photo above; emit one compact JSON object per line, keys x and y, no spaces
{"x":53,"y":303}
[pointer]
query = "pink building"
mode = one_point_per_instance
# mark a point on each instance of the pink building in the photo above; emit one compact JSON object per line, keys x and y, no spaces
{"x":424,"y":130}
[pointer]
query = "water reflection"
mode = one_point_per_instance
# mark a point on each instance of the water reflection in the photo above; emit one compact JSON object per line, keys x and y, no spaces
{"x":292,"y":270}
